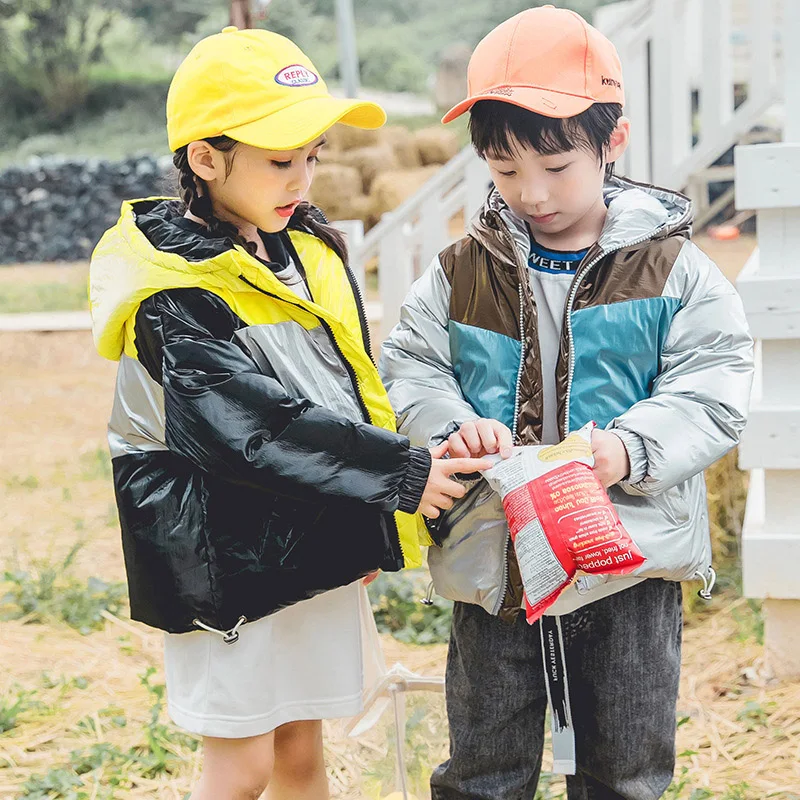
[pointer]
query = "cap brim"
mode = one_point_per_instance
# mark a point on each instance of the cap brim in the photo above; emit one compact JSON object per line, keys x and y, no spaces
{"x":302,"y":122}
{"x":541,"y":101}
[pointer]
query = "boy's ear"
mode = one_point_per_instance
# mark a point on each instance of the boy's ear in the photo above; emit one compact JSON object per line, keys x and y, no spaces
{"x":618,"y":143}
{"x":203,"y":160}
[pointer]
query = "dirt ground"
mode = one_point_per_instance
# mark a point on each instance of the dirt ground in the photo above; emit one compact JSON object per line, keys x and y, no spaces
{"x":738,"y":735}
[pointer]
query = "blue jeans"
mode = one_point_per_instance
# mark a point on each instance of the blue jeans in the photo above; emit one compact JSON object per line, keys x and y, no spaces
{"x":623,"y":656}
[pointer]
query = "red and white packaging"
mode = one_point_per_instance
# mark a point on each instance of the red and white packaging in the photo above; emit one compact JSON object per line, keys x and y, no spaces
{"x":561,"y":519}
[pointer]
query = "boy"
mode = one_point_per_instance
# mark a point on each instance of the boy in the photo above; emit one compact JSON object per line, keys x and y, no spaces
{"x":575,"y":296}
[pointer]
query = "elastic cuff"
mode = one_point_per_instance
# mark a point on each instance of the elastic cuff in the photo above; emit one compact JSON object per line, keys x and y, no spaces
{"x":637,"y":455}
{"x":413,"y":485}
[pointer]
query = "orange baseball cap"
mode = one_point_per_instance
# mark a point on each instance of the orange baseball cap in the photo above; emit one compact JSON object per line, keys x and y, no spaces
{"x":548,"y":60}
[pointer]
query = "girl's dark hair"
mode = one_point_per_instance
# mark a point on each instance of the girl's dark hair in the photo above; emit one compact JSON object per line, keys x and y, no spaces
{"x":194,"y":193}
{"x":500,"y":128}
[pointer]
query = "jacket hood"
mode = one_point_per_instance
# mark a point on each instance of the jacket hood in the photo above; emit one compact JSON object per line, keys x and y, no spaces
{"x":146,"y":252}
{"x":637,"y":213}
{"x":153,"y":247}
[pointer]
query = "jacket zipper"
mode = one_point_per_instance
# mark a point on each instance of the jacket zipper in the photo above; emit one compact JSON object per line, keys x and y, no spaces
{"x":350,"y":371}
{"x":515,"y":424}
{"x":571,"y":343}
{"x":514,"y":431}
{"x":517,"y":388}
{"x":362,"y":311}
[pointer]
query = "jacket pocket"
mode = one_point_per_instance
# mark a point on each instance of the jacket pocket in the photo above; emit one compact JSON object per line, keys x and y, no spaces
{"x":470,"y":564}
{"x":670,"y":528}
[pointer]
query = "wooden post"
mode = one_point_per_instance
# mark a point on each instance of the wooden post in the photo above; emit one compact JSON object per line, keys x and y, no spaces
{"x":768,"y":180}
{"x":353,"y":229}
{"x":241,"y":16}
{"x":395,"y":276}
{"x":716,"y":97}
{"x":670,"y":93}
{"x":348,"y":52}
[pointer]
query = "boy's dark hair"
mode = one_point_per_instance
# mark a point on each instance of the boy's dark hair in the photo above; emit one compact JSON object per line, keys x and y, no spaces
{"x":497,"y":127}
{"x":194,"y":194}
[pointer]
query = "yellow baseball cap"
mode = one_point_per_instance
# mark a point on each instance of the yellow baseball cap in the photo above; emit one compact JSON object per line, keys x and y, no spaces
{"x":259,"y":88}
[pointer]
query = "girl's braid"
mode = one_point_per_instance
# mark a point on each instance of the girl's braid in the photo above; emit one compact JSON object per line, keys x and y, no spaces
{"x":195,"y":196}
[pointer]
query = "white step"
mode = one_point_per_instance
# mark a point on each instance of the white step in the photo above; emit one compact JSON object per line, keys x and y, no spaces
{"x":46,"y":321}
{"x":770,"y":555}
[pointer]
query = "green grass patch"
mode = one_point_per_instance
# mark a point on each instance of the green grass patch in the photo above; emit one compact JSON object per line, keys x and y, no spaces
{"x":28,"y":297}
{"x":14,"y":703}
{"x":99,"y":770}
{"x":137,"y":127}
{"x":96,"y":465}
{"x":49,"y":592}
{"x":396,"y":603}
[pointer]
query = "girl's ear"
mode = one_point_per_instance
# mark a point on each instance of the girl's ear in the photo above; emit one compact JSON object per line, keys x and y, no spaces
{"x":618,"y":142}
{"x":203,"y":160}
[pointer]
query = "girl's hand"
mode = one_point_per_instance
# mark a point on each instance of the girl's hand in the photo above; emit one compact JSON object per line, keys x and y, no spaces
{"x":441,"y":490}
{"x":480,"y":437}
{"x":611,"y":462}
{"x":367,"y":580}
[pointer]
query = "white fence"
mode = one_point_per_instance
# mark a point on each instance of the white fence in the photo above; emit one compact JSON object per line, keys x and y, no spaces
{"x":406,"y":239}
{"x":684,"y":61}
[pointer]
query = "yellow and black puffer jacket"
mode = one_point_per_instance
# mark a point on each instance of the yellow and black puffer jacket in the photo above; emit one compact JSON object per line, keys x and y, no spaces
{"x":254,"y":450}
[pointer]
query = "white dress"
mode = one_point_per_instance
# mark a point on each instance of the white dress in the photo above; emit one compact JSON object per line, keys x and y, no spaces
{"x":313,"y":660}
{"x":309,"y":661}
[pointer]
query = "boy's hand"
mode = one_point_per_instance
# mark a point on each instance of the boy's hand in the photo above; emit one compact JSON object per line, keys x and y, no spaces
{"x":611,"y":462}
{"x":441,"y":490}
{"x":480,"y":437}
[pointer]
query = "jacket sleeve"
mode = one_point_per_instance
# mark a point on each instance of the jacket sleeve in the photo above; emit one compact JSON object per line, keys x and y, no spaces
{"x":229,"y":418}
{"x":416,"y":366}
{"x":699,"y":400}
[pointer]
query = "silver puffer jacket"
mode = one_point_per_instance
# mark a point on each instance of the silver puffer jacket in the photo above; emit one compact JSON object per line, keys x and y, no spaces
{"x":655,"y":347}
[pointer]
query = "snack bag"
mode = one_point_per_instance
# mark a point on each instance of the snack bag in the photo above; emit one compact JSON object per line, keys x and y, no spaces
{"x":560,"y":518}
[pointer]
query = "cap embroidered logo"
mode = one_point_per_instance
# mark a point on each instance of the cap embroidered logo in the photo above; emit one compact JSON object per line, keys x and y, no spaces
{"x":504,"y":90}
{"x":296,"y":75}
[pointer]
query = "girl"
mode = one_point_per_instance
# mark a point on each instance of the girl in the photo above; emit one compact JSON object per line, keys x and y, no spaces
{"x":256,"y":463}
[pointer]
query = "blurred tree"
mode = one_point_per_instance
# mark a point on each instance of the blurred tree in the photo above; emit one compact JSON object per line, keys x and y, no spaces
{"x":169,"y":20}
{"x":48,"y":48}
{"x":399,"y":43}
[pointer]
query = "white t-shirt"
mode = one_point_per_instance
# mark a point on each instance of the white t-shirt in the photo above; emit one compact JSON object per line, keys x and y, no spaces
{"x":551,"y":273}
{"x":283,"y":265}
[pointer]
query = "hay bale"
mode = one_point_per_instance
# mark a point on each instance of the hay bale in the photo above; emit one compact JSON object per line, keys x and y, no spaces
{"x":354,"y":207}
{"x":370,"y":161}
{"x":402,"y":141}
{"x":390,"y":189}
{"x":361,"y":208}
{"x":436,"y":145}
{"x":334,"y":187}
{"x":342,"y":138}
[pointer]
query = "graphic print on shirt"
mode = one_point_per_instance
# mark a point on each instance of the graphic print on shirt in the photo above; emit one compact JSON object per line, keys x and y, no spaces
{"x":554,"y":261}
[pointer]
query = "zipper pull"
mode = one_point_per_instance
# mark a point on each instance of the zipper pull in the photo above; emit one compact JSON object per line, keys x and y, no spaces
{"x":229,"y":637}
{"x":428,"y":599}
{"x":709,"y":581}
